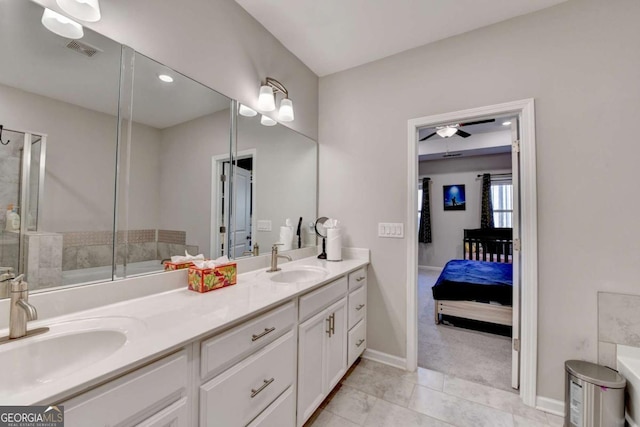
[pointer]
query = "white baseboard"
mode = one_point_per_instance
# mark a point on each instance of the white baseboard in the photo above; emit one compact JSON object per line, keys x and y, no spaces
{"x":429,"y":267}
{"x":387,"y":359}
{"x":552,"y":406}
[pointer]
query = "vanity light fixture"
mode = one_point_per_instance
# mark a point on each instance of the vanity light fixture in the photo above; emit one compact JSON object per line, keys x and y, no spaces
{"x":243,"y":110}
{"x":267,"y":121}
{"x":267,"y":99}
{"x":84,"y":10}
{"x":165,"y":78}
{"x":447,"y":131}
{"x":61,"y":25}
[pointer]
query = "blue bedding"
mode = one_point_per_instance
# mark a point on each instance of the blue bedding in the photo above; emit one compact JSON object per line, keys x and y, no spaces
{"x":466,"y":280}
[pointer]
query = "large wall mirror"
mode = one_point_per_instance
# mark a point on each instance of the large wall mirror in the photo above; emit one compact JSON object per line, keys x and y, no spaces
{"x":59,"y":112}
{"x":111,"y":162}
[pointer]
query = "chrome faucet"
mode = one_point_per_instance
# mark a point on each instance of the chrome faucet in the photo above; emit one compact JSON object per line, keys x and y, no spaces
{"x":274,"y":258}
{"x":21,"y":311}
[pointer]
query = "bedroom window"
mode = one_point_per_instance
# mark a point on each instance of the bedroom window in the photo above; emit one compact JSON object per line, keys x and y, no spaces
{"x":502,"y":200}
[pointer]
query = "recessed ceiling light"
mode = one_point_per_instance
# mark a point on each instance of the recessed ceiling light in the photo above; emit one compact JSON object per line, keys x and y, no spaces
{"x":165,"y":78}
{"x":507,"y":123}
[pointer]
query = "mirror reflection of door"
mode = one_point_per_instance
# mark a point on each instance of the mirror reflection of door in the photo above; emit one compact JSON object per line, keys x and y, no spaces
{"x":242,"y":215}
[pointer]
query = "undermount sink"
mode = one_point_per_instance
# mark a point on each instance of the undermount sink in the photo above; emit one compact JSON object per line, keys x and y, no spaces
{"x":65,"y":349}
{"x":299,"y":275}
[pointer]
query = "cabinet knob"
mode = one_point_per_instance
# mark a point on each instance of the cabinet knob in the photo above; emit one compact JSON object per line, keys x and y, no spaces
{"x":360,"y":307}
{"x":360,"y":279}
{"x":360,"y":342}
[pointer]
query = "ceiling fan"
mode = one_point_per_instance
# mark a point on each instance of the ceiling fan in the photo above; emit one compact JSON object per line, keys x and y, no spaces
{"x":450,"y":130}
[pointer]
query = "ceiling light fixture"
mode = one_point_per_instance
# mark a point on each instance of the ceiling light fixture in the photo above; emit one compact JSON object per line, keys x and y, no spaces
{"x":243,"y":110}
{"x":165,"y":78}
{"x":267,"y":99}
{"x":267,"y":121}
{"x":61,"y":25}
{"x":507,"y":123}
{"x":447,"y":131}
{"x":85,"y":10}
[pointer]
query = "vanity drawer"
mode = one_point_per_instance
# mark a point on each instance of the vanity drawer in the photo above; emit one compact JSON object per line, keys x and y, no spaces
{"x":357,"y":278}
{"x":238,"y":395}
{"x":315,"y":301}
{"x":357,"y":341}
{"x":176,"y":415}
{"x":281,"y":413}
{"x":222,"y":351}
{"x":133,"y":397}
{"x":357,"y":305}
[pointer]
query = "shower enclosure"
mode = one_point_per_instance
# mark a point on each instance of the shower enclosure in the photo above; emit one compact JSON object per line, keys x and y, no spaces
{"x":22,"y":170}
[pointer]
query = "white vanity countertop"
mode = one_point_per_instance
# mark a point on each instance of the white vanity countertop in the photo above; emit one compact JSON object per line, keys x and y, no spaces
{"x":172,"y":319}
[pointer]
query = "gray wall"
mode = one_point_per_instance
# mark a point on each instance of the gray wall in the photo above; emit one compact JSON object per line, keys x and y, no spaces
{"x":447,"y":227}
{"x":215,"y":42}
{"x":580,"y":62}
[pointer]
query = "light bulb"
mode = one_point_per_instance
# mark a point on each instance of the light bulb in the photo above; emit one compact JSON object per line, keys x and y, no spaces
{"x":267,"y":121}
{"x":285,"y":114}
{"x":61,"y":25}
{"x":85,"y":10}
{"x":243,"y":110}
{"x":447,"y":131}
{"x":165,"y":78}
{"x":266,"y":101}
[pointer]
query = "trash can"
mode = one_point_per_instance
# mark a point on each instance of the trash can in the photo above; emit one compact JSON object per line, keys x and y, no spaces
{"x":594,"y":395}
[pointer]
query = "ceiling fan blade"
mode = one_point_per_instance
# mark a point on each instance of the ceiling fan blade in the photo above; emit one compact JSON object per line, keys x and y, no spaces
{"x":478,"y":122}
{"x":427,"y":137}
{"x":463,"y":133}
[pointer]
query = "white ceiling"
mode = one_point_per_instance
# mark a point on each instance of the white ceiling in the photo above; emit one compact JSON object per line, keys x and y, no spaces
{"x":334,"y":35}
{"x":38,"y":61}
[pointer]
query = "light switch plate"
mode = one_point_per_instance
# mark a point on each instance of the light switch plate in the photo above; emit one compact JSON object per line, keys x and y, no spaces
{"x":394,"y":230}
{"x":264,"y":225}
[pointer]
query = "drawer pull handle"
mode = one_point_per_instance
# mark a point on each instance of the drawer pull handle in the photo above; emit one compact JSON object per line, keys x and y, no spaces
{"x":333,"y":324}
{"x":360,"y":279}
{"x":328,"y":319}
{"x":260,"y":335}
{"x":360,"y":307}
{"x":264,"y":385}
{"x":359,"y":343}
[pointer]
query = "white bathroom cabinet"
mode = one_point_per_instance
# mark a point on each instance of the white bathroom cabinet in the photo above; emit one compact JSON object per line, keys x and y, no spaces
{"x":273,"y":369}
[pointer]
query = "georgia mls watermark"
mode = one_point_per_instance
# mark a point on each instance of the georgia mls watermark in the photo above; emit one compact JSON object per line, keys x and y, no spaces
{"x":31,"y":416}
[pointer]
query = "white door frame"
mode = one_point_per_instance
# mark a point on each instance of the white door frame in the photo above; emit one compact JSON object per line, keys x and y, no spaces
{"x":528,"y":233}
{"x":216,"y":205}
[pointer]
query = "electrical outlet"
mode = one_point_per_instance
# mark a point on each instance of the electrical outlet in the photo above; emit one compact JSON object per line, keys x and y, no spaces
{"x":394,"y":230}
{"x":264,"y":225}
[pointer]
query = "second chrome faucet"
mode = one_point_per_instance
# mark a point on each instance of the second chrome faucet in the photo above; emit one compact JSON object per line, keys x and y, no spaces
{"x":274,"y":258}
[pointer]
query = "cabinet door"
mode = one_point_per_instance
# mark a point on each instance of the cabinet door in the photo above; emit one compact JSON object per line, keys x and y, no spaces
{"x":336,"y":349}
{"x":311,"y":369}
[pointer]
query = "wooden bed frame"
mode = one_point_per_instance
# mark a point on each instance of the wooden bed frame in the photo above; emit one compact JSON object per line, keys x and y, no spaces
{"x":483,"y":244}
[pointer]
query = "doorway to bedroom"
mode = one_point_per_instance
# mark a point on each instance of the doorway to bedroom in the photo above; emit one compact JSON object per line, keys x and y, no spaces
{"x":465,"y":235}
{"x":482,"y":262}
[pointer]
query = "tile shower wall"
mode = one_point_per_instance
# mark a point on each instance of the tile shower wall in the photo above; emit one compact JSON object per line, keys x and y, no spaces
{"x":618,"y":323}
{"x":88,"y":249}
{"x":44,"y":259}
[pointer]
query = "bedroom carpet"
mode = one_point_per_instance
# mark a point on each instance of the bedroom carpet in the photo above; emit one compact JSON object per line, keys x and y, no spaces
{"x":472,"y":355}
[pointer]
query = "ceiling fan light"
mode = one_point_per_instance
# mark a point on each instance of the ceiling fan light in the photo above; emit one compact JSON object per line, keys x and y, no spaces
{"x":243,"y":110}
{"x":285,"y":114}
{"x":85,"y":10}
{"x":267,"y":121}
{"x":61,"y":25}
{"x":266,"y":100}
{"x":447,"y":131}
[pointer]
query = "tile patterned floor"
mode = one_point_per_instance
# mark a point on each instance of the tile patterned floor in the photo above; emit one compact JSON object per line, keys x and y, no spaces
{"x":377,"y":395}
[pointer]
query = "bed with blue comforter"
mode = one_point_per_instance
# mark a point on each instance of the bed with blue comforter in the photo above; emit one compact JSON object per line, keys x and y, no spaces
{"x":480,"y":281}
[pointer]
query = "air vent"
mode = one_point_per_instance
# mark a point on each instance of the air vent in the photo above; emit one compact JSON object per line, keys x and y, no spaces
{"x":452,"y":155}
{"x":82,"y":48}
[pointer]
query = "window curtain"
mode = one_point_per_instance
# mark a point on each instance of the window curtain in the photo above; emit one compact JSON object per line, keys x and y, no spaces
{"x":486,"y":213}
{"x":424,"y":233}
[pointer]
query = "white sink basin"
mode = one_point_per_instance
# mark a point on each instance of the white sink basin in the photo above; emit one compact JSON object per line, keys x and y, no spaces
{"x":65,"y":349}
{"x":300,"y":274}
